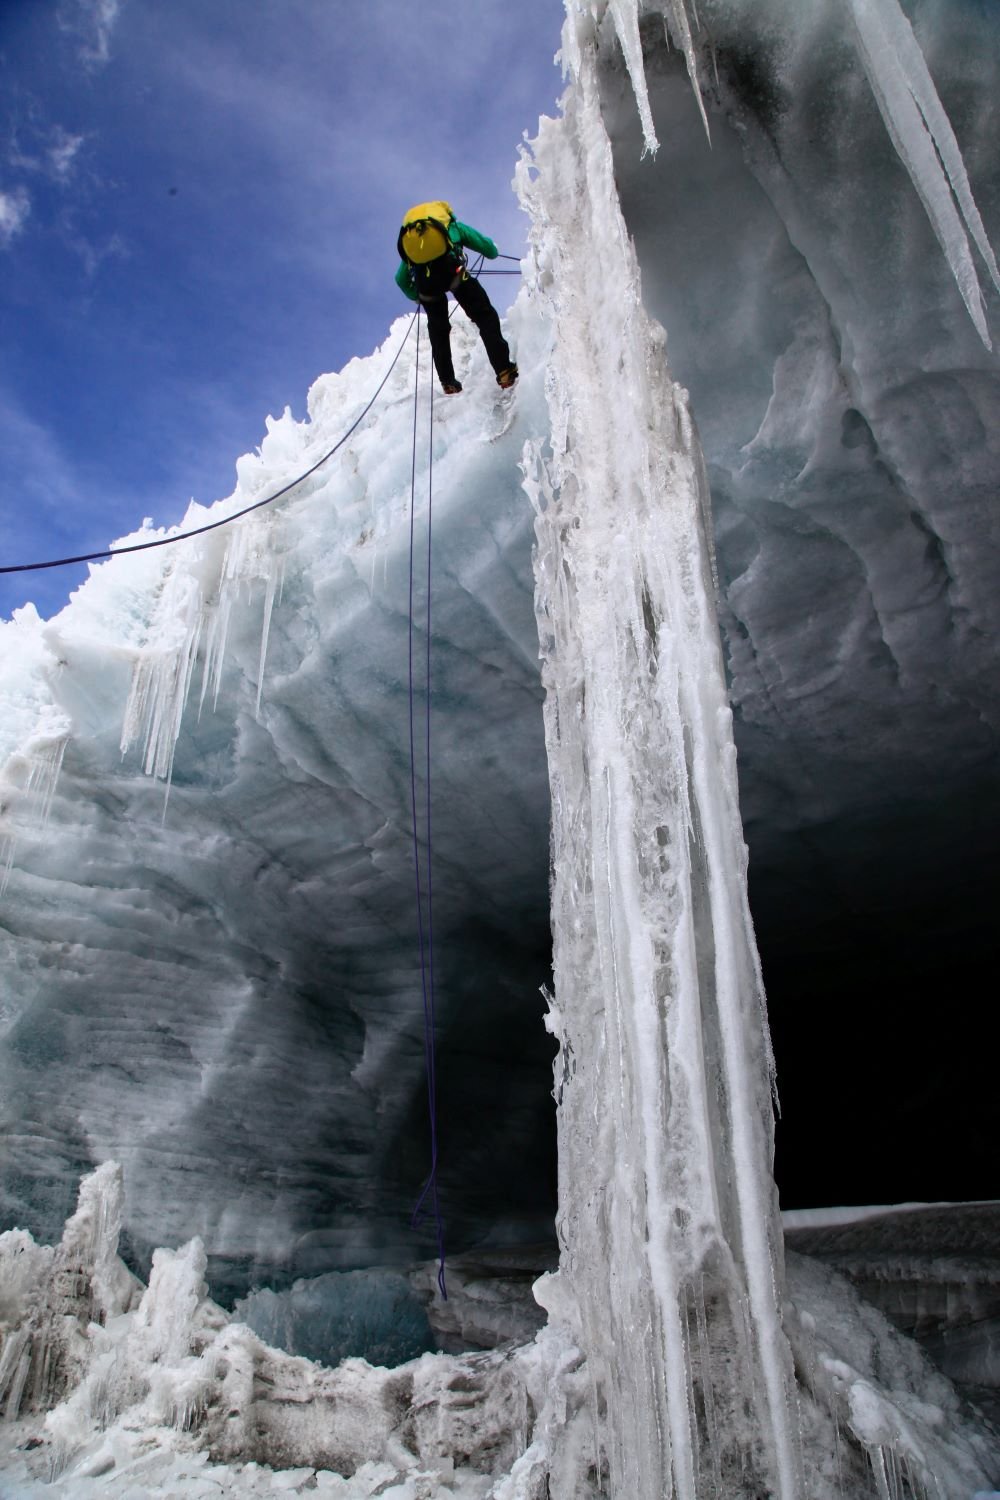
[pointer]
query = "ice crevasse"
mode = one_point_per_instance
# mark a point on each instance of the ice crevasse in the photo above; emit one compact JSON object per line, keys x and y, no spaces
{"x":682,"y":1356}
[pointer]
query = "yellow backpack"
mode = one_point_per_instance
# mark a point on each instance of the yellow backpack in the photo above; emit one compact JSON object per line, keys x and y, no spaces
{"x":424,"y":235}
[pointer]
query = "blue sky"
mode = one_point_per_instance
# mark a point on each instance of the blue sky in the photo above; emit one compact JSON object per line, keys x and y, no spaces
{"x":199,"y":202}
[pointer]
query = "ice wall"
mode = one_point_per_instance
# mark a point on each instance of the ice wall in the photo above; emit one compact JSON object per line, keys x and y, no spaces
{"x":671,"y":1272}
{"x":223,"y":991}
{"x":667,"y":1365}
{"x":850,"y":418}
{"x":671,"y":1276}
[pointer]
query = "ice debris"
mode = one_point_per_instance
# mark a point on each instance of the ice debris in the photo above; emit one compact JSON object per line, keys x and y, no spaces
{"x":109,"y":1388}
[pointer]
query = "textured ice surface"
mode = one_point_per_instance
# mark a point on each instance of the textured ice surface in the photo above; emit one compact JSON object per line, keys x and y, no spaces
{"x":372,"y":1314}
{"x":670,"y":1277}
{"x":227,"y":998}
{"x":153,"y":1391}
{"x":849,"y":415}
{"x":933,"y":1270}
{"x":234,"y":1011}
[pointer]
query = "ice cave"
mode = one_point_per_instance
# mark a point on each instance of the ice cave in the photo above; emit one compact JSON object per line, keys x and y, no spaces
{"x":703,"y":626}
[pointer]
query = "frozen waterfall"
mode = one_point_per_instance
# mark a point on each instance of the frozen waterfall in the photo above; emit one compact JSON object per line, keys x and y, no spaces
{"x":671,"y":1274}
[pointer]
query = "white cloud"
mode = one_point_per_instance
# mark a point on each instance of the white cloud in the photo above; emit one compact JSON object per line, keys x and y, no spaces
{"x":14,"y":209}
{"x":94,"y":255}
{"x":93,"y":21}
{"x":54,"y":154}
{"x":61,"y":152}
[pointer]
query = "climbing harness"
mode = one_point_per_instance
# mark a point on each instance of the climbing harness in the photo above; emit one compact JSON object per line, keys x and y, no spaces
{"x":425,"y":933}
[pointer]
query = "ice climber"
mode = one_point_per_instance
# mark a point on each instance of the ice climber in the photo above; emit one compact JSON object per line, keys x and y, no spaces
{"x":432,"y":245}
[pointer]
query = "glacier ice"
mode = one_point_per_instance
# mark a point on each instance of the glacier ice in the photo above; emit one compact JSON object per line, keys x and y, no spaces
{"x":170,"y":1094}
{"x":668,"y":1215}
{"x":155,"y":1390}
{"x":371,"y":1314}
{"x":270,"y":910}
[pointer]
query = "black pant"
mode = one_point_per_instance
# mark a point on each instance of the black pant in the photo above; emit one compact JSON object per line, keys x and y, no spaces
{"x":473,"y":301}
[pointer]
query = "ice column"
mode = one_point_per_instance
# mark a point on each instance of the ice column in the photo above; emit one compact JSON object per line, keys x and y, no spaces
{"x":671,"y":1270}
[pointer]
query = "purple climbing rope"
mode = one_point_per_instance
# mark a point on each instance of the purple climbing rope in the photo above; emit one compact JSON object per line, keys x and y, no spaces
{"x":426,"y":935}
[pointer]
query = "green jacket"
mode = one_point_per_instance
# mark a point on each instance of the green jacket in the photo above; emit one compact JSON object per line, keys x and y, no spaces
{"x":459,"y":234}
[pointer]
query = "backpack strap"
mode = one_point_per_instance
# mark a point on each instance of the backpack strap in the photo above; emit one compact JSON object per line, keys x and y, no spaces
{"x":434,"y":278}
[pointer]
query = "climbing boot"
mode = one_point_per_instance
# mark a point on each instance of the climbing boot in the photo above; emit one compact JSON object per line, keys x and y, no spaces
{"x":451,"y":387}
{"x":506,"y":378}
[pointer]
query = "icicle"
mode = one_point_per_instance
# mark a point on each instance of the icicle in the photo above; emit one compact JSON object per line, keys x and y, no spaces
{"x":15,"y":1361}
{"x":42,"y":779}
{"x":680,"y":25}
{"x":161,"y":677}
{"x":657,"y":983}
{"x":677,"y":24}
{"x":704,"y":1357}
{"x":922,"y":135}
{"x":877,"y":1457}
{"x":35,"y":801}
{"x":275,"y":577}
{"x":626,"y":18}
{"x":191,"y":610}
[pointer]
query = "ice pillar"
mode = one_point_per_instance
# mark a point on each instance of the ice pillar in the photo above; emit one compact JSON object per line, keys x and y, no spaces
{"x":671,"y":1265}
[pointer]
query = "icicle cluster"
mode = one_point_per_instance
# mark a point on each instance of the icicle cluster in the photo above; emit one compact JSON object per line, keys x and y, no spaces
{"x":922,"y":135}
{"x":904,"y":92}
{"x":193,"y":613}
{"x":27,"y":806}
{"x":122,"y":1379}
{"x":48,"y":1297}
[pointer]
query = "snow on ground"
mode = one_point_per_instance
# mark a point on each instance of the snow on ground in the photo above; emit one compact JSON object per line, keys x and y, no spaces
{"x":112,"y":1388}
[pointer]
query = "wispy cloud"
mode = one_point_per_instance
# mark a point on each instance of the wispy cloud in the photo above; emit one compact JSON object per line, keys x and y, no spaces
{"x":92,"y":21}
{"x":93,"y":255}
{"x":61,"y":152}
{"x":54,"y":153}
{"x":14,"y":210}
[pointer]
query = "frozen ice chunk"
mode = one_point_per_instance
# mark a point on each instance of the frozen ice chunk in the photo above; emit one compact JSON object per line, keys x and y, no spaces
{"x":50,"y":1297}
